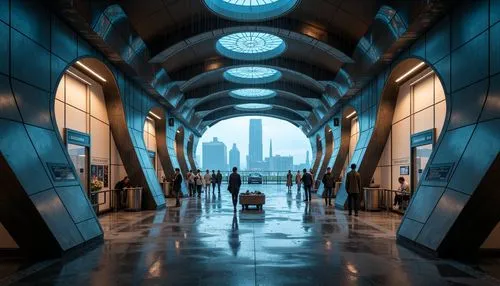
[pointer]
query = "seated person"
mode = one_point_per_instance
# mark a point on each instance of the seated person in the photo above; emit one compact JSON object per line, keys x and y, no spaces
{"x":403,"y":192}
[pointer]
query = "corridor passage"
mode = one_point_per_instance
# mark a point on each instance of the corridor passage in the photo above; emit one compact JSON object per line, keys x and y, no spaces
{"x":288,"y":243}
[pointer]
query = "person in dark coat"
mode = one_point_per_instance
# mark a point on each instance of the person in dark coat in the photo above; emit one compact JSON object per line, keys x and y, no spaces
{"x":307,"y":181}
{"x":219,"y":180}
{"x":234,"y":186}
{"x":353,"y":188}
{"x":177,"y":185}
{"x":214,"y":181}
{"x":329,"y":183}
{"x":122,"y":196}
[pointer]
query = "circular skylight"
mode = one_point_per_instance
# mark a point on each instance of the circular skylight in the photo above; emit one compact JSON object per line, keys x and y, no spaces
{"x":250,"y":10}
{"x":250,"y":46}
{"x":252,"y":93}
{"x":252,"y":75}
{"x":253,"y":107}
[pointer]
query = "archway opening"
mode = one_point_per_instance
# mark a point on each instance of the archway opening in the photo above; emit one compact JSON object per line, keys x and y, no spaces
{"x":263,"y":148}
{"x":87,"y":100}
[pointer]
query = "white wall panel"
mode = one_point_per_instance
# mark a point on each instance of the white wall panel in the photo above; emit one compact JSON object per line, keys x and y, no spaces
{"x":402,"y":109}
{"x":440,"y":113}
{"x":423,"y":94}
{"x":76,"y":93}
{"x":401,"y":140}
{"x":98,"y":104}
{"x":76,"y":119}
{"x":61,"y":89}
{"x":423,"y":120}
{"x":100,"y":140}
{"x":115,"y":156}
{"x":59,"y":114}
{"x":438,"y":89}
{"x":385,"y":158}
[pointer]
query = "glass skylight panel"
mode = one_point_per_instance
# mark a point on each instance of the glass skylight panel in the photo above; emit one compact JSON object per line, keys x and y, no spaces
{"x":252,"y":93}
{"x":250,"y":46}
{"x":251,"y":10}
{"x":252,"y":75}
{"x":253,"y":107}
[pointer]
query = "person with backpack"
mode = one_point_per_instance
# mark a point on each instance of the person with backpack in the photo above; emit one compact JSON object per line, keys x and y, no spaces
{"x":219,"y":180}
{"x":198,"y":180}
{"x":307,"y":180}
{"x":353,"y":188}
{"x":328,"y":183}
{"x":234,"y":186}
{"x":176,"y":186}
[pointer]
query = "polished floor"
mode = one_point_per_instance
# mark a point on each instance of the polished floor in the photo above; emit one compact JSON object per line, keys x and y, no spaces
{"x":288,"y":243}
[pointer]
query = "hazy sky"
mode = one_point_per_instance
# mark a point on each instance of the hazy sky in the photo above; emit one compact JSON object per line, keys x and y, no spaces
{"x":287,"y":138}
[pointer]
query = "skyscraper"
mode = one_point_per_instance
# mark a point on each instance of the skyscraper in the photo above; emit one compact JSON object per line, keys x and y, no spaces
{"x":234,"y":157}
{"x":255,"y":144}
{"x":214,"y":155}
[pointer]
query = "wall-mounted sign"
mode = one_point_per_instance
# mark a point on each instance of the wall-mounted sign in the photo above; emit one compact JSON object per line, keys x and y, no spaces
{"x":77,"y":138}
{"x":422,"y":138}
{"x":151,"y":154}
{"x":439,"y":172}
{"x":404,"y":170}
{"x":61,"y":172}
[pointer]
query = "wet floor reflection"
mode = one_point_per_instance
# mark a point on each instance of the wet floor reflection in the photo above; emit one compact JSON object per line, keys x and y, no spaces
{"x":289,"y":242}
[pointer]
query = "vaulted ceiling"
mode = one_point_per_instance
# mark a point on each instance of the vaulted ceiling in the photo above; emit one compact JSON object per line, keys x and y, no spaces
{"x":332,"y":48}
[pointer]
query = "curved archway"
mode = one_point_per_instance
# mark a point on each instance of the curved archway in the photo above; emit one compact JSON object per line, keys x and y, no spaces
{"x":92,"y":103}
{"x":328,"y":150}
{"x":190,"y":154}
{"x":179,"y":150}
{"x":319,"y":155}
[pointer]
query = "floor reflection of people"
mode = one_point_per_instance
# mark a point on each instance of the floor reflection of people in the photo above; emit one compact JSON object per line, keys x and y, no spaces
{"x":289,"y":199}
{"x":307,"y":218}
{"x":234,"y":236}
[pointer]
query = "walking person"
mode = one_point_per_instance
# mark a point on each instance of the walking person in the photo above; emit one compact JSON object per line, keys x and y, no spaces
{"x":234,"y":185}
{"x":191,"y":183}
{"x":328,"y":183}
{"x":289,"y":180}
{"x":307,"y":181}
{"x":214,"y":181}
{"x":199,"y":182}
{"x":298,"y":180}
{"x":176,"y":186}
{"x":353,"y":188}
{"x":207,"y":179}
{"x":219,"y":180}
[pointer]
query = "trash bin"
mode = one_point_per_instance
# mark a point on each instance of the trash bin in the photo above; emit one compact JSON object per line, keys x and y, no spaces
{"x":372,"y":199}
{"x":167,"y":188}
{"x":134,"y":199}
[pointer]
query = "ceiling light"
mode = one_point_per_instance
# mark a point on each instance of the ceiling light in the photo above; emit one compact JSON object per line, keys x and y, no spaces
{"x":252,"y":75}
{"x":91,"y":71}
{"x":250,"y":46}
{"x":154,"y":115}
{"x":421,"y":78}
{"x":410,"y":72}
{"x":78,"y":77}
{"x":149,"y":118}
{"x":252,"y":93}
{"x":253,"y":107}
{"x":178,"y":131}
{"x":350,"y":115}
{"x":251,"y":10}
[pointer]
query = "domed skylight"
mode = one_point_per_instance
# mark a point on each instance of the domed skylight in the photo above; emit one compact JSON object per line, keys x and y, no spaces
{"x":250,"y":46}
{"x":253,"y":107}
{"x":252,"y":75}
{"x":252,"y":93}
{"x":250,"y":10}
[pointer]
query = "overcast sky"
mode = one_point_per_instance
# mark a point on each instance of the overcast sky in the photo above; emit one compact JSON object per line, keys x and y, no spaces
{"x":287,"y":138}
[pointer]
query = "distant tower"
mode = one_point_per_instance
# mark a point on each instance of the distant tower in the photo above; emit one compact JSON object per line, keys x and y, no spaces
{"x":271,"y":148}
{"x":234,"y":157}
{"x":307,"y":158}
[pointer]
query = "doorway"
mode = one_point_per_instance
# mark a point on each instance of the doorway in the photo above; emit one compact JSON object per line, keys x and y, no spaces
{"x":420,"y":157}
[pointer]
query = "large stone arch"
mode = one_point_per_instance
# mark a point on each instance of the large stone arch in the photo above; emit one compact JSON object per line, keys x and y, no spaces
{"x":328,"y":150}
{"x":319,"y":154}
{"x":161,"y":141}
{"x":190,"y":152}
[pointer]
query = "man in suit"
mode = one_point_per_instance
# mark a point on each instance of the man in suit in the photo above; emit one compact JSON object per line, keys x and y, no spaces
{"x":353,"y":188}
{"x":234,"y":186}
{"x":177,"y":185}
{"x":307,"y":181}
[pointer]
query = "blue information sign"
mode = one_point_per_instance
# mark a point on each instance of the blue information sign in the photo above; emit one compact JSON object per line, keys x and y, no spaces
{"x":422,"y":138}
{"x":77,"y":138}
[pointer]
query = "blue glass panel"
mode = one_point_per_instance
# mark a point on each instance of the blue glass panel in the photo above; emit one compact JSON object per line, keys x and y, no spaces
{"x":253,"y":107}
{"x":252,"y":93}
{"x":251,"y":10}
{"x":250,"y":46}
{"x":252,"y":75}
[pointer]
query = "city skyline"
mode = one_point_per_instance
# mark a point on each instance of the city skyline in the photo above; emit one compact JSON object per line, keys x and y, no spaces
{"x":287,"y":139}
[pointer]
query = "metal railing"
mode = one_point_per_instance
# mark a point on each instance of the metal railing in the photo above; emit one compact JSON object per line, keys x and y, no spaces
{"x":382,"y":198}
{"x":268,"y":177}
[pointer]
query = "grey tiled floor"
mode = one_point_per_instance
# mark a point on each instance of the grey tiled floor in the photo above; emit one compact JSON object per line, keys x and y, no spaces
{"x":288,"y":243}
